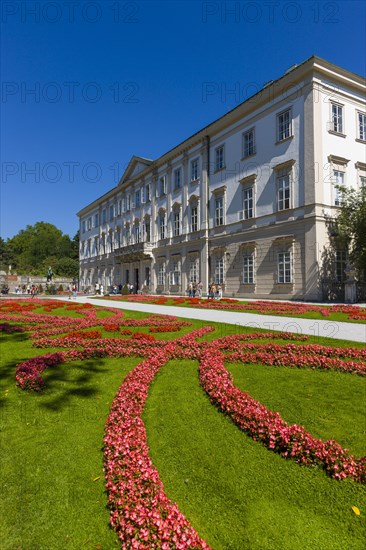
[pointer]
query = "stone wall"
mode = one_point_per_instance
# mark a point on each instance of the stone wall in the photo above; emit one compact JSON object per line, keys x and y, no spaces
{"x":12,"y":281}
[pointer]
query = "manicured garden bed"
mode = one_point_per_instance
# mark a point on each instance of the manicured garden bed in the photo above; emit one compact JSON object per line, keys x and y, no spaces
{"x":191,"y":478}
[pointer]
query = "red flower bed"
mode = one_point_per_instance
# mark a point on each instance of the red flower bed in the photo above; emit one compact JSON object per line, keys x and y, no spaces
{"x":7,"y":328}
{"x":141,"y":513}
{"x":269,"y":428}
{"x":111,"y":328}
{"x":28,"y":375}
{"x":143,"y":336}
{"x":166,"y":328}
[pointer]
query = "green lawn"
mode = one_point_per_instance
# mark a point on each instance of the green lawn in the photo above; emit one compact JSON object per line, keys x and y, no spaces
{"x":237,"y":494}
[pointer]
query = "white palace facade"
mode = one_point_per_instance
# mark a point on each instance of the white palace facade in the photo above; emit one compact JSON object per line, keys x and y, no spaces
{"x":245,"y":202}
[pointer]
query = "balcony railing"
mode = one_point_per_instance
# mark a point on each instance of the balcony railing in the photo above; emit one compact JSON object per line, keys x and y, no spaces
{"x":138,"y":251}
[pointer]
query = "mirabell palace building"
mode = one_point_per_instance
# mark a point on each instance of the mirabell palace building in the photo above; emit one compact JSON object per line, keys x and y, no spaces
{"x":246,"y":202}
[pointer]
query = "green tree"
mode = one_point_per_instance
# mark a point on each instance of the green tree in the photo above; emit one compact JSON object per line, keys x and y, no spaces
{"x":42,"y":245}
{"x":75,"y":246}
{"x":351,"y":225}
{"x":6,"y":256}
{"x":68,"y":267}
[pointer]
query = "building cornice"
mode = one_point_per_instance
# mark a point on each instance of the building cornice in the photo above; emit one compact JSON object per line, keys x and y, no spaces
{"x":283,"y":87}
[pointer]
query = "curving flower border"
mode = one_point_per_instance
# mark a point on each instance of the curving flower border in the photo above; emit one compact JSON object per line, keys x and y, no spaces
{"x":141,"y":513}
{"x":291,"y":441}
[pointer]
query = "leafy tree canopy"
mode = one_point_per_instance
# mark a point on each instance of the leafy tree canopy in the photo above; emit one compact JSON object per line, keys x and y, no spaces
{"x":351,"y":225}
{"x":39,"y":246}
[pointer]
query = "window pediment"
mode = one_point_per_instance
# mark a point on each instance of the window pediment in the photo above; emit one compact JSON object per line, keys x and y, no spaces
{"x":249,"y":244}
{"x":193,"y":199}
{"x":248,"y":180}
{"x":220,"y":190}
{"x":334,"y":159}
{"x":284,"y":238}
{"x":219,"y":250}
{"x":287,"y":165}
{"x":193,"y":254}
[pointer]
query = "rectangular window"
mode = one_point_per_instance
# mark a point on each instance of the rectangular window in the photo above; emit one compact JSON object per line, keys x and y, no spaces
{"x":147,"y":192}
{"x":161,"y":275}
{"x":248,"y":269}
{"x":162,"y":186}
{"x":175,"y":274}
{"x":83,"y":226}
{"x":177,"y":179}
{"x":283,"y":192}
{"x":117,"y":239}
{"x":194,"y":218}
{"x":361,"y":126}
{"x":219,"y":211}
{"x":194,"y":170}
{"x":147,"y":230}
{"x":162,"y":226}
{"x":284,"y":267}
{"x":104,"y":216}
{"x":248,"y":203}
{"x":111,"y":212}
{"x":89,"y":224}
{"x":193,"y":275}
{"x":147,"y":276}
{"x":284,"y":125}
{"x":337,"y":118}
{"x":249,"y":143}
{"x":362,"y":182}
{"x":137,"y":233}
{"x":219,"y":158}
{"x":96,"y":220}
{"x":219,"y":271}
{"x":338,"y":179}
{"x":176,"y":223}
{"x":128,"y":235}
{"x":137,"y":198}
{"x":128,"y":203}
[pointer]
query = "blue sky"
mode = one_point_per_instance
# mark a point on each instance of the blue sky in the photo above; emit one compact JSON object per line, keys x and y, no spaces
{"x":88,"y":84}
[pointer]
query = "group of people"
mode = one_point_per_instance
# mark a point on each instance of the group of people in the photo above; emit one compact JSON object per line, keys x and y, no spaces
{"x":214,"y":291}
{"x":115,"y":289}
{"x":25,"y":289}
{"x":195,"y":289}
